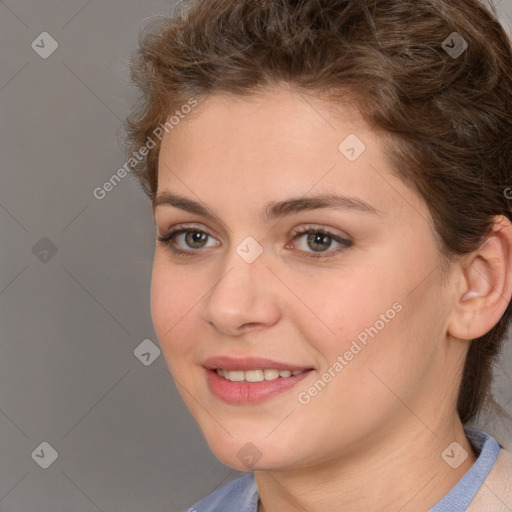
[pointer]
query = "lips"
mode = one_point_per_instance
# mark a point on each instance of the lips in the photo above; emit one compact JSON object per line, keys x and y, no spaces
{"x":246,"y":392}
{"x":250,"y":392}
{"x":249,"y":363}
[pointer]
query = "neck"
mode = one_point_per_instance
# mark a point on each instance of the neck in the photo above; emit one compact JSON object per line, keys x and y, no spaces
{"x":400,"y":469}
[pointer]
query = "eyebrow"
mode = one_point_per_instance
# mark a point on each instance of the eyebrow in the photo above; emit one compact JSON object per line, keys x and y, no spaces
{"x":274,"y":209}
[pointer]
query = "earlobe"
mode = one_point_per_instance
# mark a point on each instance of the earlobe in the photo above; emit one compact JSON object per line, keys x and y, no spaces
{"x":486,"y":284}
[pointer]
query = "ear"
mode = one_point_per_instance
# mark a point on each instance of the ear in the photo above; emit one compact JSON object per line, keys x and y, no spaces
{"x":485,"y":285}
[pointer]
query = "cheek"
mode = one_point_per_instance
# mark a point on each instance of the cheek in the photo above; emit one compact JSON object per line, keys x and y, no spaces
{"x":397,"y":360}
{"x":371,"y":319}
{"x":340,"y":306}
{"x":174,"y":299}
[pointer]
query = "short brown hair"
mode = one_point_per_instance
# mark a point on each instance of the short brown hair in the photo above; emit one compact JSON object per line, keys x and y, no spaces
{"x":449,"y":117}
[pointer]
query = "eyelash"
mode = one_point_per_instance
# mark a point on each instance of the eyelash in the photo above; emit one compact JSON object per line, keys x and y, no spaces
{"x":168,"y":240}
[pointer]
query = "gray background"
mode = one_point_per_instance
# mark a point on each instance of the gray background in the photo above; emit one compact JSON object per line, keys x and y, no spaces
{"x":70,"y":321}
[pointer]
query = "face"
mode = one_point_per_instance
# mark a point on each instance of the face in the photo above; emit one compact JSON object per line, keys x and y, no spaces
{"x":350,"y":291}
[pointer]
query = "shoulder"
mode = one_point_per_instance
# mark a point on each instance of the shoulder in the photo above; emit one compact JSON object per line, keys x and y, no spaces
{"x":495,"y":494}
{"x":239,"y":495}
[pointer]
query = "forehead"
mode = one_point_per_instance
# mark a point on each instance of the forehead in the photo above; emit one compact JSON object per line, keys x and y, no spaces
{"x":281,"y":132}
{"x":265,"y":119}
{"x":277,"y":144}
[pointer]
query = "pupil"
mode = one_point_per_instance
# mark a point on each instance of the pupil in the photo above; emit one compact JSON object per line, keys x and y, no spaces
{"x":318,"y":238}
{"x":196,"y":236}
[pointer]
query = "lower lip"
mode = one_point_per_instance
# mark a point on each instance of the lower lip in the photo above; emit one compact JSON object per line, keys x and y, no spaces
{"x":250,"y":392}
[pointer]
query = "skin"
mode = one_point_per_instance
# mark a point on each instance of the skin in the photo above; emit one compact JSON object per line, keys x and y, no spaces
{"x":372,"y":439}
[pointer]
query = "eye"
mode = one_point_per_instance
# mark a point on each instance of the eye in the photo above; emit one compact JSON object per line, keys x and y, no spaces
{"x":194,"y":238}
{"x":319,"y":240}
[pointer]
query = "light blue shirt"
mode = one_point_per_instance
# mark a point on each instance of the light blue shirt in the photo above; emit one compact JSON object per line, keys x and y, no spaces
{"x":241,"y":494}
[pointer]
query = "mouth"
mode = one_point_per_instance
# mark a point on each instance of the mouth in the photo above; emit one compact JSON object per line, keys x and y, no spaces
{"x":246,"y":380}
{"x":253,"y":386}
{"x":257,"y":375}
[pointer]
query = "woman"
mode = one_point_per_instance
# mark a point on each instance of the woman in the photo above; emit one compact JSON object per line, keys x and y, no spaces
{"x":333,"y":271}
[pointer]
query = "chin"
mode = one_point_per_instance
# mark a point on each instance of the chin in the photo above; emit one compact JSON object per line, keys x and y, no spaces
{"x":249,"y":456}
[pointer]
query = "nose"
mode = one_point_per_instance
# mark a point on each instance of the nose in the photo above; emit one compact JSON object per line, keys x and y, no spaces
{"x":245,"y":296}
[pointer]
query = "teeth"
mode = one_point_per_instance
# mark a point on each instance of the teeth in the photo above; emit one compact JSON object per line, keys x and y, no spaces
{"x":271,"y":374}
{"x":256,"y":375}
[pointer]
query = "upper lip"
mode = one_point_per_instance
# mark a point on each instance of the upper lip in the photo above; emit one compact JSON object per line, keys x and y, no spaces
{"x":249,"y":363}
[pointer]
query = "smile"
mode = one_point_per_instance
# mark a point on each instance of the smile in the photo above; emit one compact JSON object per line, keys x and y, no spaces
{"x":256,"y":375}
{"x":250,"y":386}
